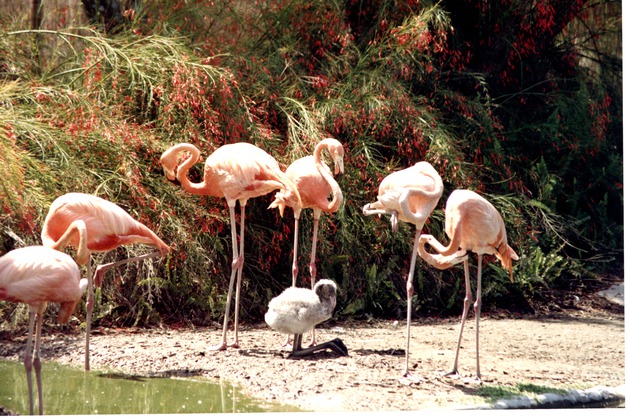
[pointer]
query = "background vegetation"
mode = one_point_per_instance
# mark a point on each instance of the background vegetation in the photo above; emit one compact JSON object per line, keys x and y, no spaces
{"x":518,"y":100}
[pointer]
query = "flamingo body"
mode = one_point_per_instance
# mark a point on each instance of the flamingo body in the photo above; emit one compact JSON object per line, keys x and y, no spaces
{"x":409,"y":195}
{"x":297,"y":310}
{"x":473,"y":224}
{"x":108,"y":225}
{"x":315,"y":182}
{"x":36,"y":275}
{"x":91,"y":224}
{"x":237,"y":172}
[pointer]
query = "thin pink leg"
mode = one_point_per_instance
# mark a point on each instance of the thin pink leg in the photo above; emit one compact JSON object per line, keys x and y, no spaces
{"x":89,"y":306}
{"x":96,"y":280}
{"x":223,"y":344}
{"x":412,"y":267}
{"x":467,"y":302}
{"x":100,"y":271}
{"x":37,"y":363}
{"x":28,"y":358}
{"x":239,"y":275}
{"x":312,"y":267}
{"x":294,"y":267}
{"x":477,"y":308}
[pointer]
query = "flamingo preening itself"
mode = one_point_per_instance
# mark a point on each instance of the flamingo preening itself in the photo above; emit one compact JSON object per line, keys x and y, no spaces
{"x":236,"y":172}
{"x":472,"y":224}
{"x":92,"y":224}
{"x":36,"y":275}
{"x":408,"y":195}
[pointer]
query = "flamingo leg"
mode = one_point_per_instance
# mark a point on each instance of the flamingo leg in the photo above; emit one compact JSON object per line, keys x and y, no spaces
{"x":239,"y":275}
{"x":294,"y":267}
{"x":37,"y":363}
{"x":335,"y":345}
{"x":477,"y":308}
{"x":28,"y":357}
{"x":89,"y":306}
{"x":223,"y":344}
{"x":412,"y":268}
{"x":312,"y":267}
{"x":467,"y":302}
{"x":95,"y":281}
{"x":102,"y":269}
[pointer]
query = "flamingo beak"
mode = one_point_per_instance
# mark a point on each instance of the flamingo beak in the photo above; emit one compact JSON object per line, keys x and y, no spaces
{"x":338,"y":164}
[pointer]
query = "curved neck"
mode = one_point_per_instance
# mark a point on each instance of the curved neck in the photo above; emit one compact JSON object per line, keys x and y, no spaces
{"x":317,"y":153}
{"x":182,"y":171}
{"x":79,"y":228}
{"x":325,"y":173}
{"x":437,"y":181}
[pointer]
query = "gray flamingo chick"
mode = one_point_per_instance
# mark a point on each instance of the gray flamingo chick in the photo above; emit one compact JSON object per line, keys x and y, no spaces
{"x":297,"y":310}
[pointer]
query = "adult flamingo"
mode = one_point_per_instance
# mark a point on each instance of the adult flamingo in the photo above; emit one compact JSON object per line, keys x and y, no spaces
{"x":36,"y":275}
{"x":237,"y":172}
{"x":315,"y":182}
{"x":408,"y":195}
{"x":472,"y":224}
{"x":91,"y":224}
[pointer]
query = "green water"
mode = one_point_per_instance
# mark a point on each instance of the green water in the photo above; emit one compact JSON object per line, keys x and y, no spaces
{"x":69,"y":390}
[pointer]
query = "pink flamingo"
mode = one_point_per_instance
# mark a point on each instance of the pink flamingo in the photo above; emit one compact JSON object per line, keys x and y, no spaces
{"x":409,"y":195}
{"x":36,"y":275}
{"x":91,"y":224}
{"x":315,"y":183}
{"x":472,"y":224}
{"x":237,"y":172}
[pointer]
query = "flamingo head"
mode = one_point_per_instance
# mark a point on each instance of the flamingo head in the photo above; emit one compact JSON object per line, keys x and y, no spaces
{"x":505,"y":255}
{"x":169,"y":164}
{"x":278,"y":203}
{"x":65,"y":310}
{"x":335,"y":148}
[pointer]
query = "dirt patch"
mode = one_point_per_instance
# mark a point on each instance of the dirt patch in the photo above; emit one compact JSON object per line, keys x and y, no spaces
{"x":578,"y":347}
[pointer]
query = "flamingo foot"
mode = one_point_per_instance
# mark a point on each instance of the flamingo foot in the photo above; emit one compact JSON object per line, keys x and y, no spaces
{"x":408,"y":379}
{"x":287,"y":344}
{"x":472,"y":380}
{"x":220,"y":347}
{"x":454,"y":373}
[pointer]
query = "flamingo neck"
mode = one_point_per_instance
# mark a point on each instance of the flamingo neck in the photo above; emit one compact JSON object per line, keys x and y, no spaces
{"x":326,"y":174}
{"x":199,"y":188}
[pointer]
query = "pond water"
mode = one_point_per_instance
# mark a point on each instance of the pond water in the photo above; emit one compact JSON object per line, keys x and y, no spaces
{"x":69,"y":390}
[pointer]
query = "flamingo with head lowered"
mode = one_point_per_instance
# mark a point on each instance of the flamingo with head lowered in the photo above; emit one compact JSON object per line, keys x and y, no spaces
{"x":472,"y":224}
{"x":92,"y":224}
{"x":36,"y":275}
{"x":236,"y":172}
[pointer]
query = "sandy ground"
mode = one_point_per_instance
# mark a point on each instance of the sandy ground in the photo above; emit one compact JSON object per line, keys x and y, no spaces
{"x":579,"y":347}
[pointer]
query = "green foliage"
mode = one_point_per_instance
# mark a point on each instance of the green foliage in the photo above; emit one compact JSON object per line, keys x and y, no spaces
{"x":396,"y":81}
{"x":495,"y":393}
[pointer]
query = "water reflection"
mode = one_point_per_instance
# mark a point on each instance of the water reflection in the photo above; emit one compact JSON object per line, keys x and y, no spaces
{"x":69,"y":390}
